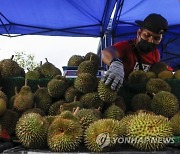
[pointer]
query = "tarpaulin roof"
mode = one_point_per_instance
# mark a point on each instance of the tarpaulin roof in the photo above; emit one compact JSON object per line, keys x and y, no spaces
{"x":127,"y":11}
{"x":55,"y":17}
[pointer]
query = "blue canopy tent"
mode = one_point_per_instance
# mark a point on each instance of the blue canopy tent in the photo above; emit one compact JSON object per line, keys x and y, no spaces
{"x":123,"y":26}
{"x":55,"y":17}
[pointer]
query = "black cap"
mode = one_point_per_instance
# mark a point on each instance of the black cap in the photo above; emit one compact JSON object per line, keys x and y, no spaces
{"x":155,"y":23}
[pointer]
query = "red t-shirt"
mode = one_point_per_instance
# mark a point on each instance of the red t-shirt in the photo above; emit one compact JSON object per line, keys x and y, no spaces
{"x":128,"y":57}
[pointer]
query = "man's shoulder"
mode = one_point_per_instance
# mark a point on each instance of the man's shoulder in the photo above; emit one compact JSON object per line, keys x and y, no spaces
{"x":125,"y":43}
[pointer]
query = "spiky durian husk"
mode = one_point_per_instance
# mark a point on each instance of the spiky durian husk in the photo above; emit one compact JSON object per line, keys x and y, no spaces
{"x":49,"y":70}
{"x":165,"y":75}
{"x":91,"y":100}
{"x":175,"y":124}
{"x":31,"y":130}
{"x":50,"y":118}
{"x":136,"y":77}
{"x":120,"y":102}
{"x":165,"y":103}
{"x":64,"y":135}
{"x":156,"y":85}
{"x":9,"y":68}
{"x":68,"y":115}
{"x":54,"y":109}
{"x":93,"y":57}
{"x":158,"y":67}
{"x":177,"y":74}
{"x":140,"y":101}
{"x":3,"y":106}
{"x":106,"y":129}
{"x":105,"y":92}
{"x":35,"y":110}
{"x":114,"y":112}
{"x":71,"y":106}
{"x":32,"y":75}
{"x":86,"y":117}
{"x":75,"y":60}
{"x":8,"y":121}
{"x":42,"y":99}
{"x":144,"y":131}
{"x":88,"y":66}
{"x":85,"y":83}
{"x":70,"y":93}
{"x":56,"y":88}
{"x":150,"y":75}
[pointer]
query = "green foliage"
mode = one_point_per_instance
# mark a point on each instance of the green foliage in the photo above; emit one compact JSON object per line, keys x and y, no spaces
{"x":26,"y":61}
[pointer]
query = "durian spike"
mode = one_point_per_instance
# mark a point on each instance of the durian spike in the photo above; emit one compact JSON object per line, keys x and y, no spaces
{"x":46,"y":59}
{"x":75,"y":98}
{"x":15,"y":90}
{"x":12,"y":57}
{"x":76,"y":110}
{"x":61,"y":108}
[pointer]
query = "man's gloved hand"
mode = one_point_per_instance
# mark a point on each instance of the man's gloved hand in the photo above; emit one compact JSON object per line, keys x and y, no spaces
{"x":115,"y":75}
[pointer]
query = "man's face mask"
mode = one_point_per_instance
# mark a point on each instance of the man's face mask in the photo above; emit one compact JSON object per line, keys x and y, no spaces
{"x":146,"y":46}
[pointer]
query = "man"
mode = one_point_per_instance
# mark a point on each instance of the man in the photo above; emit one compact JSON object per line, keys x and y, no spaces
{"x":140,"y":53}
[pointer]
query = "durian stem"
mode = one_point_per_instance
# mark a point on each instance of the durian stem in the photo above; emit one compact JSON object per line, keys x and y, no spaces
{"x":75,"y":98}
{"x":39,"y":86}
{"x":28,"y":69}
{"x":46,"y":59}
{"x":12,"y":57}
{"x":25,"y":82}
{"x":76,"y":110}
{"x":99,"y":108}
{"x":91,"y":58}
{"x":61,"y":108}
{"x":40,"y":63}
{"x":15,"y":90}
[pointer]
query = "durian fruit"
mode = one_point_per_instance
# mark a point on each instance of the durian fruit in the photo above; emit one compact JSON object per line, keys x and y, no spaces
{"x":114,"y":112}
{"x":54,"y":109}
{"x":177,"y":74}
{"x":88,"y":66}
{"x":85,"y":83}
{"x":50,"y":118}
{"x":75,"y":60}
{"x":150,"y":75}
{"x":86,"y":117}
{"x":158,"y":67}
{"x":35,"y":110}
{"x":11,"y":101}
{"x":94,"y":57}
{"x":91,"y":100}
{"x":8,"y":121}
{"x":137,"y":77}
{"x":165,"y":75}
{"x":31,"y":130}
{"x":147,"y":131}
{"x":38,"y":69}
{"x":157,"y":85}
{"x":72,"y":105}
{"x":24,"y":99}
{"x":165,"y":103}
{"x":3,"y":95}
{"x":174,"y":121}
{"x":32,"y":75}
{"x":100,"y":134}
{"x":56,"y":88}
{"x":140,"y":101}
{"x":49,"y":70}
{"x":42,"y":99}
{"x":10,"y":68}
{"x":64,"y":135}
{"x":3,"y":106}
{"x":120,"y":103}
{"x":105,"y":92}
{"x":70,"y":93}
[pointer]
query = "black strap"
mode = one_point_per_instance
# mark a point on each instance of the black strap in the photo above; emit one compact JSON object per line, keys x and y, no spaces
{"x":136,"y":53}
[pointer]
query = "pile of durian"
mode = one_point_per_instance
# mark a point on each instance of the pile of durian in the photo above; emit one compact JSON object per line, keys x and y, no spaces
{"x":65,"y":116}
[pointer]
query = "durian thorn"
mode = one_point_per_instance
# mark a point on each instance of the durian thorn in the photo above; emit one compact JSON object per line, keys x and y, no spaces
{"x":61,"y":108}
{"x":12,"y":57}
{"x":15,"y":90}
{"x":76,"y":110}
{"x":39,"y":86}
{"x":25,"y":82}
{"x":75,"y":98}
{"x":46,"y":59}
